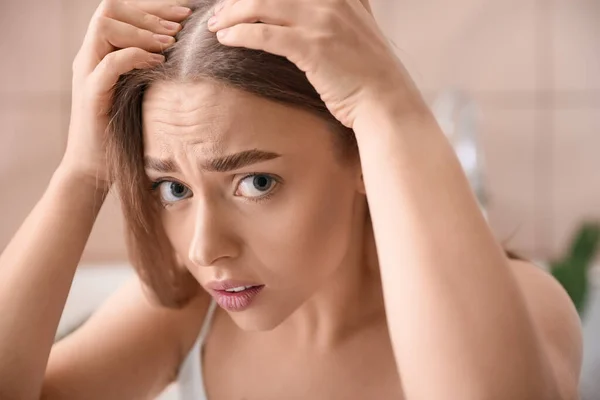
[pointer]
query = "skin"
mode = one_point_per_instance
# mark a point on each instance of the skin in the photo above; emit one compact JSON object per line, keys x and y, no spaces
{"x":308,"y":242}
{"x":443,"y":314}
{"x":301,"y":239}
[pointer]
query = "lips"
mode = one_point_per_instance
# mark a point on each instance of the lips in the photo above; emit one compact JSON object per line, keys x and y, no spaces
{"x":233,"y":295}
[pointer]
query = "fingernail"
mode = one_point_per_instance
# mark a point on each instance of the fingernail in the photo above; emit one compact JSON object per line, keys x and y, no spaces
{"x":183,"y":11}
{"x":222,"y":33}
{"x":172,"y":26}
{"x":158,"y":57}
{"x":164,"y":39}
{"x":212,"y":21}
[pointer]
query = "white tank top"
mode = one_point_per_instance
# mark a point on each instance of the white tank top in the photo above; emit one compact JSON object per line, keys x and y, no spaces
{"x":190,"y":379}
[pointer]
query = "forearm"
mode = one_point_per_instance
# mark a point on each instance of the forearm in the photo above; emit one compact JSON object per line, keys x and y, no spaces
{"x":458,"y":322}
{"x":36,"y":272}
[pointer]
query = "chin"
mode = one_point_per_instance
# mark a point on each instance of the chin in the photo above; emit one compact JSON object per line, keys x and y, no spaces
{"x":262,"y":316}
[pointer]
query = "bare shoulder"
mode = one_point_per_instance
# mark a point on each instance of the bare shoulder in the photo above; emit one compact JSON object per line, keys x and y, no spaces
{"x":129,"y":349}
{"x":557,"y":323}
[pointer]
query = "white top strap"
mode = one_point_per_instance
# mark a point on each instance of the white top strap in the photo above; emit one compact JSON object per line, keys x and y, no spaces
{"x":191,"y":377}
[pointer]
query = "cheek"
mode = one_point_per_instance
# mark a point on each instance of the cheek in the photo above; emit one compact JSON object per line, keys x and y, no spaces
{"x":178,"y":233}
{"x":307,"y":236}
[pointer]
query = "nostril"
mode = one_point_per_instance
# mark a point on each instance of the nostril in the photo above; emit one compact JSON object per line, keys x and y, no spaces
{"x":206,"y":257}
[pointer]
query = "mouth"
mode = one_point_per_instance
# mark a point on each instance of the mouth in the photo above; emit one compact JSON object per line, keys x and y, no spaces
{"x":234,"y":296}
{"x":239,"y":289}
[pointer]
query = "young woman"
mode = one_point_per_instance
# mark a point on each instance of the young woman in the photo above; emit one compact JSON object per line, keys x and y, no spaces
{"x":300,"y":225}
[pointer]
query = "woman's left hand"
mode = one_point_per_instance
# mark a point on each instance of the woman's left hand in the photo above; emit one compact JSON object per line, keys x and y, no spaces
{"x":335,"y":42}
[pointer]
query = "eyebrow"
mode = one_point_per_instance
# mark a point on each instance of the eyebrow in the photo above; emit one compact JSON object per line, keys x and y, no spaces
{"x":226,"y":163}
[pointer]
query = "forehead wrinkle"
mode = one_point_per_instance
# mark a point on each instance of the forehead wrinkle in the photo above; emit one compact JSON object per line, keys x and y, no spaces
{"x":161,"y":111}
{"x":182,"y":98}
{"x":220,"y":120}
{"x":200,"y":125}
{"x":199,"y":149}
{"x":202,"y":134}
{"x":167,"y":117}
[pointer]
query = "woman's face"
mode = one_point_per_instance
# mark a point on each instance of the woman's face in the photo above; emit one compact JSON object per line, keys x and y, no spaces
{"x":254,"y":193}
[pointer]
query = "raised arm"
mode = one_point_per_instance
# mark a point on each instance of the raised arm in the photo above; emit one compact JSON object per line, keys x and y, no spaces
{"x":465,"y":321}
{"x":37,"y":267}
{"x":36,"y":271}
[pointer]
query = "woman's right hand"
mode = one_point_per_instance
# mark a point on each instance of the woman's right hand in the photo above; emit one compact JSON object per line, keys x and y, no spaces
{"x":122,"y":36}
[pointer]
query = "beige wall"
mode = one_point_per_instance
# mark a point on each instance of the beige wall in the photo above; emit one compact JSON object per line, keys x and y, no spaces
{"x":533,"y":66}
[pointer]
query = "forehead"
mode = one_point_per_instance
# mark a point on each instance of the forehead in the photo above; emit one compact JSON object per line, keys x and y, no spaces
{"x":217,"y":118}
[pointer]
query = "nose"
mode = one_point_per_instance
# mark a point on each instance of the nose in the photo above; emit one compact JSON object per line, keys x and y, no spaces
{"x":213,"y":240}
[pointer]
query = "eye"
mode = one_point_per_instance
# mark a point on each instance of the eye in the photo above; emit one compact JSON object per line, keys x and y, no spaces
{"x":256,"y":186}
{"x":172,"y":192}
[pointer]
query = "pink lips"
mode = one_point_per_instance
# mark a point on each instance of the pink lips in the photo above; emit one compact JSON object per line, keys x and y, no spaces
{"x":234,"y":301}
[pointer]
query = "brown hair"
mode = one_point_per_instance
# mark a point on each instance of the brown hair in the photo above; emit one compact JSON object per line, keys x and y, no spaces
{"x":196,"y":55}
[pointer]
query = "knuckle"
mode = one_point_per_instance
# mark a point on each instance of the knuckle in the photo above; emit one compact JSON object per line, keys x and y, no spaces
{"x":144,"y":37}
{"x":322,"y":41}
{"x":108,"y":7}
{"x":132,"y":51}
{"x":142,"y":33}
{"x":265,"y":33}
{"x":135,"y":53}
{"x":109,"y":62}
{"x":150,"y":20}
{"x":101,"y":25}
{"x":111,"y":4}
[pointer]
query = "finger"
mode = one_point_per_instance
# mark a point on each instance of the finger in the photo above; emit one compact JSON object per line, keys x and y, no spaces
{"x":108,"y":35}
{"x":122,"y":35}
{"x":103,"y":33}
{"x":170,"y":10}
{"x":279,"y":40}
{"x":132,"y":15}
{"x":120,"y":62}
{"x":273,"y":12}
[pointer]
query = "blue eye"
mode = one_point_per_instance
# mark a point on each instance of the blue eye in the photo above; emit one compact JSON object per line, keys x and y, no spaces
{"x":172,"y":192}
{"x":256,"y":186}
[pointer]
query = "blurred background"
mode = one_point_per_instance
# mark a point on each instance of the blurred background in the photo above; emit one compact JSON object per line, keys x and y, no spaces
{"x":514,"y":83}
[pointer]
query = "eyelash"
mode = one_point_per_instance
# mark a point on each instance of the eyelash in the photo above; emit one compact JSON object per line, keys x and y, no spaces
{"x":264,"y":197}
{"x":154,"y":185}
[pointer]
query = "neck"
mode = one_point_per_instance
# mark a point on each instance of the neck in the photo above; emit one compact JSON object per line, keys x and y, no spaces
{"x":350,"y":300}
